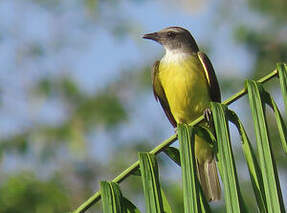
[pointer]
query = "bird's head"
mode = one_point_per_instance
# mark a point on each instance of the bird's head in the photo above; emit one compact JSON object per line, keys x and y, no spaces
{"x":174,"y":38}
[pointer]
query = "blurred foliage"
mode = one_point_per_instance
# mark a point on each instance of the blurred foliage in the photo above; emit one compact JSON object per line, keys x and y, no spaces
{"x":274,"y":8}
{"x":16,"y":142}
{"x":103,"y":108}
{"x":267,"y":40}
{"x":65,"y":144}
{"x":25,"y":193}
{"x":265,"y":44}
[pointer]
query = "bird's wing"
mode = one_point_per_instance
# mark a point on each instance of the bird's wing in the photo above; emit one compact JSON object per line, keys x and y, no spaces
{"x":214,"y":89}
{"x":159,"y":94}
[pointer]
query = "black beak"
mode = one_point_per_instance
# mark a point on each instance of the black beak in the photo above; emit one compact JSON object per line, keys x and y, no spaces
{"x":152,"y":36}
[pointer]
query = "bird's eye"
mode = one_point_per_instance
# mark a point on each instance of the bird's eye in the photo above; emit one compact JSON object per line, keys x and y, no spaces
{"x":171,"y":35}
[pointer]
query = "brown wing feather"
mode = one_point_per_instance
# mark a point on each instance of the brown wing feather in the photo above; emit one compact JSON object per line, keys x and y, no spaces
{"x":159,"y":94}
{"x":214,"y":89}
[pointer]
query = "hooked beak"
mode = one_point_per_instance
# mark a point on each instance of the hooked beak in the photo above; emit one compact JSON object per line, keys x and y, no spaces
{"x":153,"y":36}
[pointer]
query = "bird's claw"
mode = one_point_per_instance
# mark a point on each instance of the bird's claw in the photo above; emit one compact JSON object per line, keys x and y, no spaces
{"x":208,"y":116}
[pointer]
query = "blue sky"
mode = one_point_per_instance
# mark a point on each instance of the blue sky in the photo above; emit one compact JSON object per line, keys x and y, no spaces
{"x":83,"y":47}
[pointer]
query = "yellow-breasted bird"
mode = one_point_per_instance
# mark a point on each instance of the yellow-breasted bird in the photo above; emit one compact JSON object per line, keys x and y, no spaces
{"x":184,"y":82}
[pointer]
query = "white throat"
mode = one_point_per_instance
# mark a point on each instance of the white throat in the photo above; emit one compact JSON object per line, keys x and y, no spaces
{"x":174,"y":56}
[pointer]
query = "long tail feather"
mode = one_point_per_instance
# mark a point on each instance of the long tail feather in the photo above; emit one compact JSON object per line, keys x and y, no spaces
{"x":208,"y":177}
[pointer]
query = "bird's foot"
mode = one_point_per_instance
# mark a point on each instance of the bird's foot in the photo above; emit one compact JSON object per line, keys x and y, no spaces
{"x":208,"y":116}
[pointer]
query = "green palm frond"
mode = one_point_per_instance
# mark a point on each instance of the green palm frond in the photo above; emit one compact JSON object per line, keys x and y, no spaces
{"x":226,"y":164}
{"x":261,"y":166}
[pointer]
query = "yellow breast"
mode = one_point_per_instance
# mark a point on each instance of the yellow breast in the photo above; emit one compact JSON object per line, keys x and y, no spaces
{"x":185,"y":87}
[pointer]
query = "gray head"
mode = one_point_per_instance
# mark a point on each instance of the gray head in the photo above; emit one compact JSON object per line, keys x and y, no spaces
{"x":174,"y":38}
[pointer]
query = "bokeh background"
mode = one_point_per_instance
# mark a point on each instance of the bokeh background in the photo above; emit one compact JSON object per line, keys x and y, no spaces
{"x":76,"y":103}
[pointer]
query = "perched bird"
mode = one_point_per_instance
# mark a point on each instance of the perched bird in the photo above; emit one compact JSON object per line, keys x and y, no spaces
{"x":184,"y":83}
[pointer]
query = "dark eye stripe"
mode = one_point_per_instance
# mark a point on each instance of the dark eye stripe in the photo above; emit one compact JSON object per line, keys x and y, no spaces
{"x":171,"y":34}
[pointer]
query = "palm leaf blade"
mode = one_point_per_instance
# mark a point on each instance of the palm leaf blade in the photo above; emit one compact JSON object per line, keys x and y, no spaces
{"x":267,"y":164}
{"x":226,"y":160}
{"x":112,"y":197}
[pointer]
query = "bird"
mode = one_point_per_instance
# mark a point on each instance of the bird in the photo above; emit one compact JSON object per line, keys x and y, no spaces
{"x":184,"y":82}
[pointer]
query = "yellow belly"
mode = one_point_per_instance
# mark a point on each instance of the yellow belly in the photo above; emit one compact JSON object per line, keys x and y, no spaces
{"x":185,"y":88}
{"x":187,"y":92}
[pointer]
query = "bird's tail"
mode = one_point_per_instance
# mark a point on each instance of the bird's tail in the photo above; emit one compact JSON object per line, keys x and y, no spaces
{"x":208,"y":177}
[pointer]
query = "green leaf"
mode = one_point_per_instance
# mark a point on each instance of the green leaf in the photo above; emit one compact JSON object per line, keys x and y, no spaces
{"x":253,"y":167}
{"x":204,"y":206}
{"x":131,"y":208}
{"x":136,"y":172}
{"x":279,"y":120}
{"x":207,"y":134}
{"x":190,"y":182}
{"x":166,"y":206}
{"x":173,"y":154}
{"x":150,"y":180}
{"x":267,"y":164}
{"x":112,"y":198}
{"x":234,"y":202}
{"x":282,"y":70}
